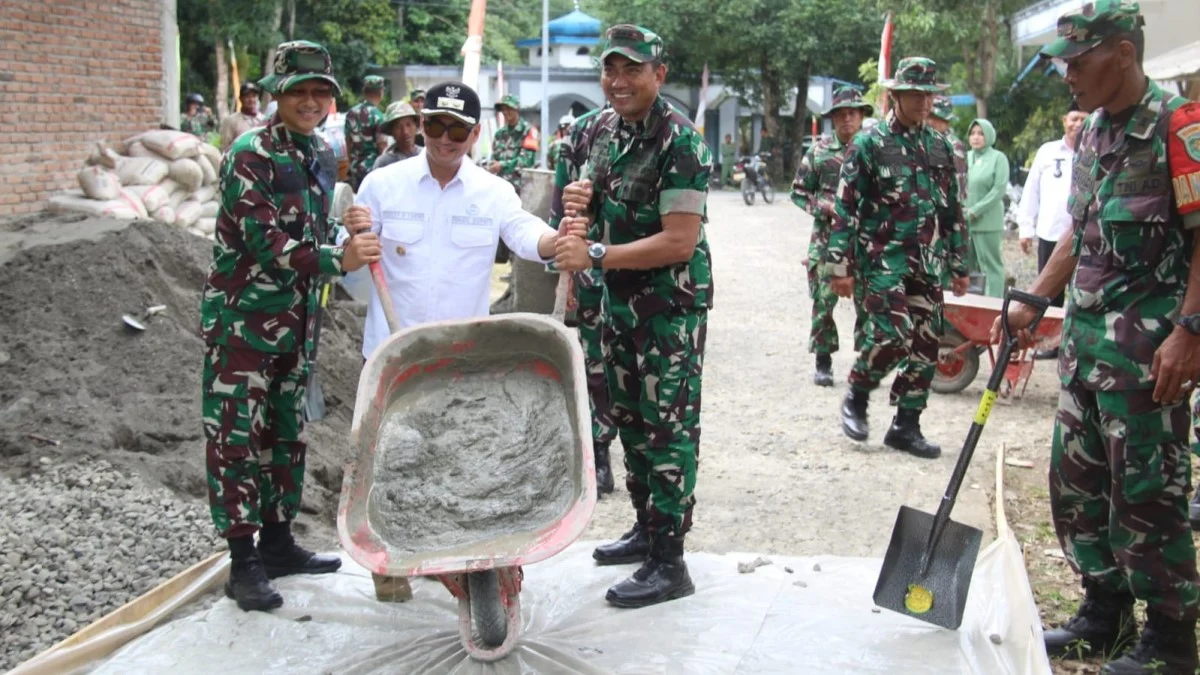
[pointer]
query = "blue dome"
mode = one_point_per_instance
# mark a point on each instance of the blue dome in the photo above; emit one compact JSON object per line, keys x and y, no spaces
{"x":575,"y":24}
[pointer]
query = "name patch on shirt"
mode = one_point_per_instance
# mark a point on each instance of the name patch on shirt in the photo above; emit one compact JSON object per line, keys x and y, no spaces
{"x":476,"y":221}
{"x":404,"y":215}
{"x":1141,"y":185}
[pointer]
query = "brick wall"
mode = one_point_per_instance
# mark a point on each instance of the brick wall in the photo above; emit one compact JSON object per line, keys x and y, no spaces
{"x":72,"y":72}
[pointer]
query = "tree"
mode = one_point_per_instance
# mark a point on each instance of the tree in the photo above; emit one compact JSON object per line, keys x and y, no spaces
{"x":207,"y":27}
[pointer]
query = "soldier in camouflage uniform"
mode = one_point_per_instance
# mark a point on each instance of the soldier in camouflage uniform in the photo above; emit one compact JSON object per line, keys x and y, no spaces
{"x":814,"y":190}
{"x":257,"y":313}
{"x":646,"y":186}
{"x":515,"y":145}
{"x":897,"y":222}
{"x":588,"y":286}
{"x":361,"y":127}
{"x":198,"y":120}
{"x":1119,"y":465}
{"x":940,"y":118}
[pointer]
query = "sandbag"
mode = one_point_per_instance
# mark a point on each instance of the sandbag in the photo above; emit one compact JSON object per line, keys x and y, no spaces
{"x":177,"y":198}
{"x":99,"y":183}
{"x":187,"y":173}
{"x":77,"y":202}
{"x":206,"y":193}
{"x":172,"y":144}
{"x":207,"y":168}
{"x":142,"y":170}
{"x":128,"y":143}
{"x":165,"y":214}
{"x":212,"y":152}
{"x":206,"y":225}
{"x":138,"y":149}
{"x":210,"y":209}
{"x":103,"y":156}
{"x":134,"y":202}
{"x":170,"y":186}
{"x":153,"y":196}
{"x":187,"y":214}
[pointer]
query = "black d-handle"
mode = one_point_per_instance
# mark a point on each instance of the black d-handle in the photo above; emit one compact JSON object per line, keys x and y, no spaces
{"x":1040,"y":303}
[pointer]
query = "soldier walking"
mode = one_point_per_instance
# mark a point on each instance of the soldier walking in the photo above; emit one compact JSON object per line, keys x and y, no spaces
{"x":257,"y":316}
{"x":814,"y":190}
{"x":588,"y":286}
{"x":361,"y":126}
{"x":198,"y":119}
{"x":897,"y":222}
{"x":645,"y":191}
{"x":1119,"y":465}
{"x":515,"y":145}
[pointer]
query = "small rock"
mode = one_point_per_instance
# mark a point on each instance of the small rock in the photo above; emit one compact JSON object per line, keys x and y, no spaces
{"x":748,"y":567}
{"x":801,"y":584}
{"x":817,"y":567}
{"x":302,"y":619}
{"x":788,"y":570}
{"x":45,"y":461}
{"x":995,"y":638}
{"x":79,"y":601}
{"x":874,"y":610}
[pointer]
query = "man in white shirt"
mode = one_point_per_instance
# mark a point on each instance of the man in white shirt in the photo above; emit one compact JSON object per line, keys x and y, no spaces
{"x":1042,"y":212}
{"x":440,"y":219}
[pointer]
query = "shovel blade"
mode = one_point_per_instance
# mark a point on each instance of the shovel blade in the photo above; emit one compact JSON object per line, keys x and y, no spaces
{"x":314,"y":399}
{"x":948,"y":577}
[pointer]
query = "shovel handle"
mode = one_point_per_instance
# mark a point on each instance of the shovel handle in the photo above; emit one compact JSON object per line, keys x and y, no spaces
{"x":986,"y":402}
{"x":385,"y":298}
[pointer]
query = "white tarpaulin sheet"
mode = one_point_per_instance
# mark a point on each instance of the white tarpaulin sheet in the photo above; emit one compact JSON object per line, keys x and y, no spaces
{"x":761,"y":622}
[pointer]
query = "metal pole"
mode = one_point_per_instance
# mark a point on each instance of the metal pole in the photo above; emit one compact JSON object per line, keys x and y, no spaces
{"x":545,"y":83}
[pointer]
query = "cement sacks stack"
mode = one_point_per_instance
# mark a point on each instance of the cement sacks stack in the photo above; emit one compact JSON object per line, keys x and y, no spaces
{"x":167,"y":175}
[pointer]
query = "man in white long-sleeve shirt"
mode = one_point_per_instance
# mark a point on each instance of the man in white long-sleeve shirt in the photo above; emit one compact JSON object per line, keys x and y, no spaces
{"x":440,"y":219}
{"x":1042,"y":213}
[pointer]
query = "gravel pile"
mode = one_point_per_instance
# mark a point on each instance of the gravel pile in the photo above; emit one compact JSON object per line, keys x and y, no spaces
{"x":78,"y":541}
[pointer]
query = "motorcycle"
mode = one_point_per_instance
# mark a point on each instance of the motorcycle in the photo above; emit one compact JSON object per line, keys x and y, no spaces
{"x":755,"y":178}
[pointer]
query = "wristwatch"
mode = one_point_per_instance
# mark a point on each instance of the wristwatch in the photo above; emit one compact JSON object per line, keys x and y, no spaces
{"x":1190,"y":323}
{"x":597,"y":251}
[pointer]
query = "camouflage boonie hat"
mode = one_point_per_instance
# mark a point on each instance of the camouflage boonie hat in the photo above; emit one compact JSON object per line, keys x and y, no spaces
{"x":847,"y":96}
{"x":396,"y":111}
{"x":1079,"y":32}
{"x":916,"y":73}
{"x":943,"y":109}
{"x":372,"y":83}
{"x":509,"y":101}
{"x":635,"y":43}
{"x":297,"y":62}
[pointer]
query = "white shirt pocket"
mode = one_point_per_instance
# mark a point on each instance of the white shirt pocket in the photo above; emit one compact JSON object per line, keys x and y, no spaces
{"x":470,"y":232}
{"x":405,"y":227}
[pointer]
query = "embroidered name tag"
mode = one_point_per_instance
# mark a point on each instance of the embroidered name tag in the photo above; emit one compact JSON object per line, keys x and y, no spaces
{"x":475,"y":221}
{"x":1142,"y":185}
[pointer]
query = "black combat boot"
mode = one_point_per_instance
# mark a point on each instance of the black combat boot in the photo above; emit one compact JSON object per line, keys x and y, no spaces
{"x":905,"y":434}
{"x":281,"y":555}
{"x":604,"y":476}
{"x":664,"y":576}
{"x":1167,"y":647}
{"x":632,"y":547}
{"x":1194,"y":511}
{"x":823,"y":377}
{"x":248,"y":584}
{"x":1103,"y":624}
{"x":854,"y":414}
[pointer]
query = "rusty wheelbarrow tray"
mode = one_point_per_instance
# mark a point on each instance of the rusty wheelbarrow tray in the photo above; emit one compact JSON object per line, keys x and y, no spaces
{"x":969,"y":322}
{"x":485,"y":575}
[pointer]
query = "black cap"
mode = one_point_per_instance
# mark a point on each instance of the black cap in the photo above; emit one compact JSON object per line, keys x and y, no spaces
{"x":249,"y":87}
{"x":1074,"y":107}
{"x":454,"y":99}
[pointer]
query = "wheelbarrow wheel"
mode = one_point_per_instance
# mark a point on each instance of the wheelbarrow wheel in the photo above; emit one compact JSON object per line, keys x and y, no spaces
{"x":487,"y":608}
{"x":955,"y":369}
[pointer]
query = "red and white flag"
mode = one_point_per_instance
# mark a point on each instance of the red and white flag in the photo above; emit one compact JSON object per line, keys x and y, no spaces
{"x":703,"y":107}
{"x":885,"y":60}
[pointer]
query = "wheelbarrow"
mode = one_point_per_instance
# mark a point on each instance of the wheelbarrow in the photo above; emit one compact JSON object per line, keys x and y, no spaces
{"x":967,"y":334}
{"x":485,"y":575}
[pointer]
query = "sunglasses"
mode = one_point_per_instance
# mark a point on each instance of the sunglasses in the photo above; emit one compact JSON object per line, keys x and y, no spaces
{"x":457,"y":132}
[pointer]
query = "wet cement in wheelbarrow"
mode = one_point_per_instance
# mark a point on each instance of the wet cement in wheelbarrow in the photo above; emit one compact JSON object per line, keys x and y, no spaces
{"x":468,"y":458}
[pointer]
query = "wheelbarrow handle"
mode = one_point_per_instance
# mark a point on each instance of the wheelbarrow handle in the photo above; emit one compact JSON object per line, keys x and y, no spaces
{"x":385,"y":298}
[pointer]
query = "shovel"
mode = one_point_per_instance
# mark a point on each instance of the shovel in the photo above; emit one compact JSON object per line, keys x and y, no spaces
{"x":314,"y":398}
{"x":927,"y":569}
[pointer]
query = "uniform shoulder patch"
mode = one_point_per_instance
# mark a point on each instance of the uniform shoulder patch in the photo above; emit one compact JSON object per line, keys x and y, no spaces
{"x":1190,"y":137}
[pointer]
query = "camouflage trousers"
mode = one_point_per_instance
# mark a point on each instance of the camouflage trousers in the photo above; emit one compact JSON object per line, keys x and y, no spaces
{"x":654,"y":373}
{"x":358,"y":170}
{"x":1119,"y":479}
{"x":823,"y":333}
{"x":252,"y":406}
{"x":902,"y":317}
{"x":592,"y":337}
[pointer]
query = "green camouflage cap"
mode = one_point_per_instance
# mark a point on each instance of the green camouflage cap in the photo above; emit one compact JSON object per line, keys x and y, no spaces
{"x":916,"y":73}
{"x":297,"y":62}
{"x":1080,"y":31}
{"x":395,"y":111}
{"x":509,"y":101}
{"x":635,"y":43}
{"x":848,"y":96}
{"x":943,"y":109}
{"x":372,"y":83}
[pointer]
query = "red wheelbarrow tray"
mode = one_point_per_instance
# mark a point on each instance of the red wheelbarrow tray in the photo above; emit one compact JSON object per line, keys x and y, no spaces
{"x":973,"y":315}
{"x":543,"y":345}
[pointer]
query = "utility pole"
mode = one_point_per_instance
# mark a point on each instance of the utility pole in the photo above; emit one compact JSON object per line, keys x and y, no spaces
{"x":542,"y":137}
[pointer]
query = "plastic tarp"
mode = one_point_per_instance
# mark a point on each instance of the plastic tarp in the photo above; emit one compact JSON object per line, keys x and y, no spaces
{"x":762,"y":622}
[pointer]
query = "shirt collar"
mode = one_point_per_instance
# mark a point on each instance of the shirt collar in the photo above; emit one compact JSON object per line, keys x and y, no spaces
{"x":648,"y":127}
{"x":895,"y":126}
{"x":427,"y":173}
{"x":1145,"y":114}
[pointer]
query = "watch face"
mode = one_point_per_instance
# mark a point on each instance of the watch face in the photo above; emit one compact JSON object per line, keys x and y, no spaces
{"x":1191,"y":323}
{"x":596,"y":250}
